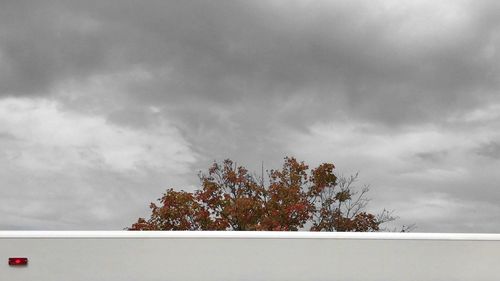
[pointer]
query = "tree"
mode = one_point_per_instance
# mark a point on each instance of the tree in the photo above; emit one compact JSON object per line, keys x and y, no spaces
{"x":289,"y":199}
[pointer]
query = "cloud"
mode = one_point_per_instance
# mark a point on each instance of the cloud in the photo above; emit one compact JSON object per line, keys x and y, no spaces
{"x":238,"y":68}
{"x":7,"y":136}
{"x":114,"y":93}
{"x":422,"y":187}
{"x":491,"y":150}
{"x":392,"y":61}
{"x":52,"y":139}
{"x":440,"y":212}
{"x":62,"y":169}
{"x":434,"y":156}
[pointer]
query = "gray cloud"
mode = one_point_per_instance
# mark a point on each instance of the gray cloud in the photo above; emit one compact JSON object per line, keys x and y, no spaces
{"x":491,"y":150}
{"x":350,"y":57}
{"x":7,"y":136}
{"x":248,"y":79}
{"x":42,"y":45}
{"x":433,"y":157}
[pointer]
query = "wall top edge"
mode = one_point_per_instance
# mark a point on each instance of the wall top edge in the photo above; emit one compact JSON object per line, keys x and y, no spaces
{"x":250,"y":235}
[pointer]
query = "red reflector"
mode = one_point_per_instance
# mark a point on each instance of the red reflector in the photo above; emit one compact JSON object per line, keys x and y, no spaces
{"x":18,"y":261}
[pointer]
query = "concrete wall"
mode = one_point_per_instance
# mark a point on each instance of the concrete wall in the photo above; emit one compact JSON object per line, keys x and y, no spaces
{"x":235,"y":256}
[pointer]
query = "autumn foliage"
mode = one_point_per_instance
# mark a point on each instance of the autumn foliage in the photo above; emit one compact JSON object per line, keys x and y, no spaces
{"x":288,"y":199}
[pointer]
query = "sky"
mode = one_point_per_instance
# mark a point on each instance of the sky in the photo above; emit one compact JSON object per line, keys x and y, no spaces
{"x":106,"y":104}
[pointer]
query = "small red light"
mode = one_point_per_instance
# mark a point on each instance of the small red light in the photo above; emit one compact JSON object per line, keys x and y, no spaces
{"x":18,"y":261}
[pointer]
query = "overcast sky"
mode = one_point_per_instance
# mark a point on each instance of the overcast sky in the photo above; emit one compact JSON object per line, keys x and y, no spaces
{"x":105,"y":104}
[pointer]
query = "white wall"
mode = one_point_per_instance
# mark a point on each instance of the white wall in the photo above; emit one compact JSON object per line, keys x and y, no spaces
{"x":235,"y":256}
